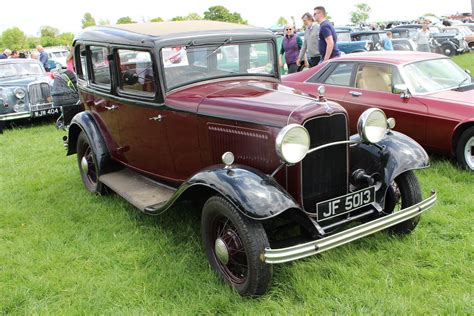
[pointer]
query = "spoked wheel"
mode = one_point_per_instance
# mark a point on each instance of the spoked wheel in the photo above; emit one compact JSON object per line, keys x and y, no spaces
{"x":88,"y":165}
{"x":465,"y":149}
{"x":403,"y":192}
{"x":234,"y":245}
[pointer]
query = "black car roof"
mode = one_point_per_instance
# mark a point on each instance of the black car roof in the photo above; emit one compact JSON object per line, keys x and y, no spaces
{"x":152,"y":32}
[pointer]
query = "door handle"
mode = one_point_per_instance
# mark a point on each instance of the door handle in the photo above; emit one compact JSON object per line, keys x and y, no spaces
{"x":111,"y":108}
{"x":355,"y":93}
{"x":156,"y":118}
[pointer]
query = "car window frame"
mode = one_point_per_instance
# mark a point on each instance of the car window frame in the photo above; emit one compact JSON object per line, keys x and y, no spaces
{"x":325,"y":73}
{"x":99,"y":86}
{"x":131,"y":94}
{"x":393,"y":67}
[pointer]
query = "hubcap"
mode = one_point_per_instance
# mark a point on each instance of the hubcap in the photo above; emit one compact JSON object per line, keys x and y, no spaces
{"x":222,"y":253}
{"x":448,"y":51}
{"x":84,"y":165}
{"x":469,"y":153}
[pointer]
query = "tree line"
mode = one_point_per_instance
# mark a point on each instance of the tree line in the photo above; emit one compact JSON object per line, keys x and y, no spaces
{"x":15,"y":38}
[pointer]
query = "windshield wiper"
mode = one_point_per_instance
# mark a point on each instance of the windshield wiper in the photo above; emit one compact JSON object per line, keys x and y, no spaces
{"x":460,"y":84}
{"x":227,"y":41}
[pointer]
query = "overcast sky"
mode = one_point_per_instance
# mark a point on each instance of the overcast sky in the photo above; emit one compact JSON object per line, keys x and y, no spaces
{"x":67,"y":15}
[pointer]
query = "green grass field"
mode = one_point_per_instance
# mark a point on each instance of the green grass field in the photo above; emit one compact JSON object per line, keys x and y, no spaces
{"x":65,"y":251}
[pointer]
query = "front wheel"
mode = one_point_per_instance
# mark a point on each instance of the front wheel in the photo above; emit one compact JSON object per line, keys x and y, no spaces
{"x":234,"y":245}
{"x":403,"y":192}
{"x":465,"y":149}
{"x":448,"y":49}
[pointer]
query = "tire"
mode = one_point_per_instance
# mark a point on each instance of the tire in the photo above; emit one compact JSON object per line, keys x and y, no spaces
{"x":471,"y":45}
{"x":465,"y":149}
{"x":243,"y":240}
{"x":403,"y":192}
{"x":90,"y":177}
{"x":448,"y":50}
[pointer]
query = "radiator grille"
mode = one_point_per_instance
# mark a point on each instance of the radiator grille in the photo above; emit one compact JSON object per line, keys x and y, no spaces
{"x":40,"y":96}
{"x":324,"y":172}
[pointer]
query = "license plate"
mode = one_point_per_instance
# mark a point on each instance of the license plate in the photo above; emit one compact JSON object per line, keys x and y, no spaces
{"x":345,"y":204}
{"x":46,"y":112}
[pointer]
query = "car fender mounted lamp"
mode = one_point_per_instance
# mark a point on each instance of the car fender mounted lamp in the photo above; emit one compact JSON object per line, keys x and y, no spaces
{"x":228,"y":159}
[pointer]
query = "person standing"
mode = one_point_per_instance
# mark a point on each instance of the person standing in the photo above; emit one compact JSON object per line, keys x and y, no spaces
{"x":290,"y":46}
{"x":327,"y":35}
{"x":15,"y":54}
{"x":43,"y":57}
{"x":6,"y":54}
{"x":423,"y":38}
{"x":387,"y":42}
{"x":309,"y":52}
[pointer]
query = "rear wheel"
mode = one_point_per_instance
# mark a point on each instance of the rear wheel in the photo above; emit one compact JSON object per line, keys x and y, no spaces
{"x":234,"y":245}
{"x":403,"y":192}
{"x":465,"y":149}
{"x":88,"y":167}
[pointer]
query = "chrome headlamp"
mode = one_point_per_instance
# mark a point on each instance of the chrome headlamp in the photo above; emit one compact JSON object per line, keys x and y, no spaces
{"x":292,"y":143}
{"x":19,"y":93}
{"x":372,"y":125}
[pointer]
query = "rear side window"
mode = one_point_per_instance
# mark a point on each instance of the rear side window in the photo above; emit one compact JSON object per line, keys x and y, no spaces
{"x":100,"y":65}
{"x":341,"y":75}
{"x":80,"y":62}
{"x":136,"y":72}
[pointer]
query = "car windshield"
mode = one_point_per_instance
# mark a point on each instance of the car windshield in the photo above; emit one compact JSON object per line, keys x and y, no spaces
{"x":451,"y":31}
{"x":435,"y":75}
{"x":20,"y":69}
{"x":183,"y":65}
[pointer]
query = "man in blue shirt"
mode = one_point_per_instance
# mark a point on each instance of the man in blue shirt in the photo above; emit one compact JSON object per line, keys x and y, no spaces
{"x":6,"y":54}
{"x":43,"y":57}
{"x":327,"y":35}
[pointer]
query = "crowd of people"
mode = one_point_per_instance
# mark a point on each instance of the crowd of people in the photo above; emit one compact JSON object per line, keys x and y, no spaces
{"x":39,"y":54}
{"x":320,"y":41}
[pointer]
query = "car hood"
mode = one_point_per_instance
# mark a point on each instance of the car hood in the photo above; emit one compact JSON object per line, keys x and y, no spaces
{"x":463,"y":97}
{"x":23,"y":80}
{"x":263,"y":102}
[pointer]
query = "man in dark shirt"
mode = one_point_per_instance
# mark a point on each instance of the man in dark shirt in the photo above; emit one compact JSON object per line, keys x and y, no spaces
{"x":327,"y":35}
{"x":6,"y":54}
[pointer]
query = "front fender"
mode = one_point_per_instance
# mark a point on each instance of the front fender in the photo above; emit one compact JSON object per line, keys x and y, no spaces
{"x":394,"y":155}
{"x":253,"y":193}
{"x":84,"y":121}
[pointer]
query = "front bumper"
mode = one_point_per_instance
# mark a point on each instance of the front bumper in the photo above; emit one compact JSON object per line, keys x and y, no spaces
{"x":317,"y":246}
{"x":15,"y":116}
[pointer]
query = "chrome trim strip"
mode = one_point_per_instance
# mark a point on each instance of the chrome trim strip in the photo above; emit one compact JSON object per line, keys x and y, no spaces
{"x":320,"y":245}
{"x":14,"y":116}
{"x":350,"y":142}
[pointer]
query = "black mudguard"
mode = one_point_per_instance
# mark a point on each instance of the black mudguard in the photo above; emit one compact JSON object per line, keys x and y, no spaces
{"x":84,"y":121}
{"x":394,"y":155}
{"x":253,"y":193}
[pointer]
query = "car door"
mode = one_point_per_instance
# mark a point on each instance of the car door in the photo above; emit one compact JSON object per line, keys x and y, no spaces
{"x":142,"y":120}
{"x":94,"y":77}
{"x":372,"y":87}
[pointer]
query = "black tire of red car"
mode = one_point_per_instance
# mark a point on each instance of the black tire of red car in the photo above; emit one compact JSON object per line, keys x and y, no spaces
{"x":467,"y":137}
{"x":243,"y":240}
{"x":90,"y":177}
{"x":448,"y":49}
{"x":404,"y":191}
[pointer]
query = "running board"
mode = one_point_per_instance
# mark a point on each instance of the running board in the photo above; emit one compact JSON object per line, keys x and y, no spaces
{"x":140,"y":191}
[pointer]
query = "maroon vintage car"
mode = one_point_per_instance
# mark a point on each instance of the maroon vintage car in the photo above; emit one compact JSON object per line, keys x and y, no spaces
{"x":196,"y":111}
{"x":430,"y":97}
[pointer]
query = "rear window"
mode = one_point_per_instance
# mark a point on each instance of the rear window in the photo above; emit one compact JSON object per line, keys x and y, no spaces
{"x":136,"y":72}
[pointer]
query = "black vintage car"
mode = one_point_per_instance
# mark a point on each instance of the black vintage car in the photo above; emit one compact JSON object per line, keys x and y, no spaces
{"x":377,"y":38}
{"x":441,"y":43}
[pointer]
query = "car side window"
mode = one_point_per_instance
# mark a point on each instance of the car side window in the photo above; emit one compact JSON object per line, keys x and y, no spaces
{"x":341,"y":75}
{"x":136,"y":72}
{"x":100,"y":65}
{"x":80,"y":62}
{"x":374,"y":77}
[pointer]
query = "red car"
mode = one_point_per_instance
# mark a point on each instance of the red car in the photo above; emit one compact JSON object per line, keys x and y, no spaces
{"x":431,"y":98}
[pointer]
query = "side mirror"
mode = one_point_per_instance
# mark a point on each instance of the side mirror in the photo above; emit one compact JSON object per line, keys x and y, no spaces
{"x":402,"y":90}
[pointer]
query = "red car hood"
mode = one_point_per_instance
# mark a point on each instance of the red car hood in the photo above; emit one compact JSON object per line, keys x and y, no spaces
{"x":262,"y":102}
{"x":464,"y":97}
